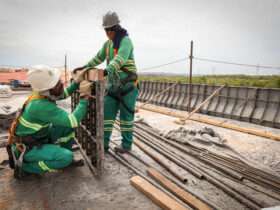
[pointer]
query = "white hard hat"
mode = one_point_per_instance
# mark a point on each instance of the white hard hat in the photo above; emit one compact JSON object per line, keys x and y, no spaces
{"x":110,"y":19}
{"x":42,"y":77}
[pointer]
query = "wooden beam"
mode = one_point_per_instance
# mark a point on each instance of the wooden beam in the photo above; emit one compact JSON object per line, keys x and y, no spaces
{"x":183,"y":120}
{"x":177,"y":191}
{"x":157,"y":196}
{"x":217,"y":123}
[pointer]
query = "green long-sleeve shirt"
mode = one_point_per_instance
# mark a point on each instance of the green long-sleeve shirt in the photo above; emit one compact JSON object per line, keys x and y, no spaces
{"x":40,"y":114}
{"x":123,"y":59}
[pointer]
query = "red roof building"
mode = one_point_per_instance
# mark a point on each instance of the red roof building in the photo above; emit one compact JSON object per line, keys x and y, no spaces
{"x":6,"y":77}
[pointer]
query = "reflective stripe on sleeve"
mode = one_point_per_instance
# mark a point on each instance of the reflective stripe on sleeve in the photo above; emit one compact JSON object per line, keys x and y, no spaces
{"x":73,"y":121}
{"x":66,"y":138}
{"x":33,"y":126}
{"x":44,"y":167}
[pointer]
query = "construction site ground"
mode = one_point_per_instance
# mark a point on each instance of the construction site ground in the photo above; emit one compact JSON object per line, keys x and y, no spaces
{"x":77,"y":188}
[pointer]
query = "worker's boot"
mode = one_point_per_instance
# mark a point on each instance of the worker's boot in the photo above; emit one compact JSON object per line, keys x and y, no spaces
{"x":19,"y":173}
{"x":77,"y":163}
{"x":120,"y":149}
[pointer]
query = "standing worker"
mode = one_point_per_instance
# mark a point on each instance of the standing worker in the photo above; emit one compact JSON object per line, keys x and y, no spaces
{"x":42,"y":135}
{"x":122,"y":87}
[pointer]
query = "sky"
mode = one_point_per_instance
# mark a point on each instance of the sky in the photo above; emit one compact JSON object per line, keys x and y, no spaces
{"x":243,"y":31}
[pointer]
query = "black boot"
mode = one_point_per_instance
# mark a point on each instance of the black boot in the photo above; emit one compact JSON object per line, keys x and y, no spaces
{"x":19,"y":173}
{"x":121,"y":150}
{"x":77,"y":163}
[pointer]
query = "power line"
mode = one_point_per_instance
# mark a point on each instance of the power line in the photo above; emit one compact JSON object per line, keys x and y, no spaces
{"x":177,"y":61}
{"x":165,"y":64}
{"x":237,"y":64}
{"x":25,"y":67}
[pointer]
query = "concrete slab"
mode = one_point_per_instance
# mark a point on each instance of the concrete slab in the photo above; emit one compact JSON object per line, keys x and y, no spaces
{"x":73,"y":188}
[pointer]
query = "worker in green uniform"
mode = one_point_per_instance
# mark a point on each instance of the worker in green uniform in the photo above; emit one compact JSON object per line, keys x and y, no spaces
{"x":122,"y":90}
{"x":43,"y":133}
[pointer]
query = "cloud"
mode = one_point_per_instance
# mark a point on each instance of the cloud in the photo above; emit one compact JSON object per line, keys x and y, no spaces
{"x":37,"y":31}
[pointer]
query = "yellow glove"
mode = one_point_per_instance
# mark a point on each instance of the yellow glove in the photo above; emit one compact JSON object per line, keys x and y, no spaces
{"x":79,"y":76}
{"x":85,"y":88}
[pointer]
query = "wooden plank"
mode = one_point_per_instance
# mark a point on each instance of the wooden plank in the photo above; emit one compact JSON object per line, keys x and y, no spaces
{"x":157,"y":196}
{"x":183,"y":120}
{"x":217,"y":123}
{"x":176,"y":190}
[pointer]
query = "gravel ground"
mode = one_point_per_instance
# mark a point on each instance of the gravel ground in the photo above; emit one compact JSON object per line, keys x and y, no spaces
{"x":71,"y":189}
{"x":76,"y":188}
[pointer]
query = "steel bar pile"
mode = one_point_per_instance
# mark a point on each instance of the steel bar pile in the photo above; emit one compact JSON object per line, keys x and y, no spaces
{"x":89,"y":135}
{"x":223,"y":172}
{"x":164,"y":182}
{"x":254,"y":174}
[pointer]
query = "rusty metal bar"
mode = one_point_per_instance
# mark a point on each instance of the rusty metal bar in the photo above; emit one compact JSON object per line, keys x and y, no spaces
{"x":89,"y":135}
{"x":164,"y":164}
{"x":239,"y":196}
{"x":190,"y":79}
{"x":129,"y":165}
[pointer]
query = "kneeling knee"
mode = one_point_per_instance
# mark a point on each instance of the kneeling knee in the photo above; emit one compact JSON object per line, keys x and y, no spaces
{"x":67,"y":157}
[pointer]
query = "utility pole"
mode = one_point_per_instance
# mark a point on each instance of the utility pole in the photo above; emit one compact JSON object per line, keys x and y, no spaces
{"x":190,"y":79}
{"x":65,"y":70}
{"x":258,"y":69}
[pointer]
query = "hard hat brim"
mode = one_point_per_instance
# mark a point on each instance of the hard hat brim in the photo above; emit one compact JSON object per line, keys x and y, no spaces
{"x":51,"y":84}
{"x":55,"y":79}
{"x":109,"y":26}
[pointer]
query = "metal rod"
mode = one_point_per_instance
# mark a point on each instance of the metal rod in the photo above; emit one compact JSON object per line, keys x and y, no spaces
{"x":167,"y":166}
{"x":180,"y":184}
{"x":171,"y":157}
{"x":88,"y":162}
{"x":241,"y":170}
{"x":166,"y":153}
{"x":241,"y":197}
{"x":201,"y":158}
{"x":122,"y":160}
{"x":65,"y":70}
{"x":241,"y":167}
{"x":190,"y":79}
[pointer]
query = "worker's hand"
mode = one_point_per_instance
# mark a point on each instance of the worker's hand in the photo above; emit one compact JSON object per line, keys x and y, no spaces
{"x":105,"y":72}
{"x":78,"y":69}
{"x":79,"y":76}
{"x":85,"y":88}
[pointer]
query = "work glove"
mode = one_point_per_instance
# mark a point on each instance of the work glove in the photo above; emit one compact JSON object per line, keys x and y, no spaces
{"x":78,"y":69}
{"x":85,"y":88}
{"x":105,"y":72}
{"x":79,"y":76}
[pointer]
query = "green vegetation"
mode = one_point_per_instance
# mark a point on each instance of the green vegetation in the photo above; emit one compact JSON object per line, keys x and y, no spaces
{"x":272,"y":81}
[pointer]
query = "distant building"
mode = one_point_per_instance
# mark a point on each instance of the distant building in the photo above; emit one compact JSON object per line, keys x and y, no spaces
{"x":8,"y":74}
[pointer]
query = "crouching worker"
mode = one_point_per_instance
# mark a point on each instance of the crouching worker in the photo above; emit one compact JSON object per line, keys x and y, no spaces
{"x":42,"y":134}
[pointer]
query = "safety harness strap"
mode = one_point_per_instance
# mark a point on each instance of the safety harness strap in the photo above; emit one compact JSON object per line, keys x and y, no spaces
{"x":132,"y":76}
{"x":14,"y":124}
{"x":119,"y":97}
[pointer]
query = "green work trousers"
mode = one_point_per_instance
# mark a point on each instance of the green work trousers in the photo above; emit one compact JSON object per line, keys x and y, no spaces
{"x":53,"y":155}
{"x":111,"y":107}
